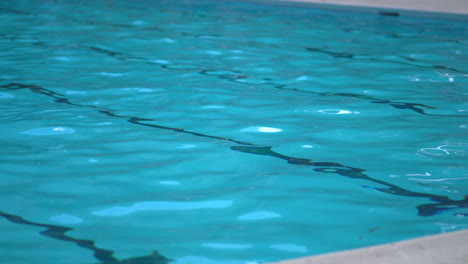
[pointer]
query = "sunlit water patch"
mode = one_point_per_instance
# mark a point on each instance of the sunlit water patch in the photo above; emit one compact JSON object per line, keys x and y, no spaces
{"x":261,"y":129}
{"x":46,"y":131}
{"x":154,"y":206}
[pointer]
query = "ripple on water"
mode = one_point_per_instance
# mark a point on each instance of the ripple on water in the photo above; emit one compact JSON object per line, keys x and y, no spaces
{"x":62,"y":58}
{"x":72,"y":92}
{"x":111,"y":74}
{"x":228,"y":246}
{"x":160,"y":61}
{"x":450,"y":149}
{"x":142,"y":89}
{"x":259,"y":215}
{"x":168,"y":40}
{"x":290,"y":248}
{"x":5,"y":95}
{"x":302,"y":78}
{"x":162,"y":206}
{"x":213,"y":107}
{"x":169,"y":183}
{"x":45,"y":131}
{"x":186,"y":146}
{"x":181,"y":67}
{"x":337,"y":112}
{"x":261,"y":129}
{"x":213,"y":52}
{"x":66,"y":219}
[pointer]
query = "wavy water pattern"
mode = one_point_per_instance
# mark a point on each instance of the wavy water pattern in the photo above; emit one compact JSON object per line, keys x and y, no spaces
{"x":229,"y":132}
{"x":238,"y":76}
{"x":103,"y":255}
{"x":442,"y":203}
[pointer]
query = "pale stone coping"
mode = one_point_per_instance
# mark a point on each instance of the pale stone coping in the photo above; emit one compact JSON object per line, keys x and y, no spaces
{"x":438,"y":6}
{"x":447,"y":248}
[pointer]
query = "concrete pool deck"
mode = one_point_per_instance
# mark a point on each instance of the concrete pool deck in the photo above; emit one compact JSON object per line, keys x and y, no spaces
{"x":447,"y":248}
{"x":438,"y":6}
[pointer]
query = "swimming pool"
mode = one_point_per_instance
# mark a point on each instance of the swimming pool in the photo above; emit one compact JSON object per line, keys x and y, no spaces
{"x":226,"y":132}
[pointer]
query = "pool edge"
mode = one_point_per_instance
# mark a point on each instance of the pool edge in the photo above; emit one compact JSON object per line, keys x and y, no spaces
{"x":443,"y":248}
{"x":436,"y":6}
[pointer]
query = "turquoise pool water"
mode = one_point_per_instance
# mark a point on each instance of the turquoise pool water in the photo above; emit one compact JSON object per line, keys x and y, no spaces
{"x":221,"y":132}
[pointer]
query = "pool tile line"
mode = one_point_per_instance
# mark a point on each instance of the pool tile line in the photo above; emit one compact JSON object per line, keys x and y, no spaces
{"x":325,"y":51}
{"x":442,"y":203}
{"x":416,"y":107}
{"x":239,"y":77}
{"x":59,"y":98}
{"x":105,"y":256}
{"x":362,"y":57}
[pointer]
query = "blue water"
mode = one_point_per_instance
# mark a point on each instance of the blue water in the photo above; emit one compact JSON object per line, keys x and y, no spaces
{"x":220,"y":132}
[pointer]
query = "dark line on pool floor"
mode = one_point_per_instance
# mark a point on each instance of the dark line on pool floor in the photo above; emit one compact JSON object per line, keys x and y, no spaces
{"x":59,"y":98}
{"x":235,"y":75}
{"x":239,"y":77}
{"x":103,"y":255}
{"x":442,"y":203}
{"x":407,"y":61}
